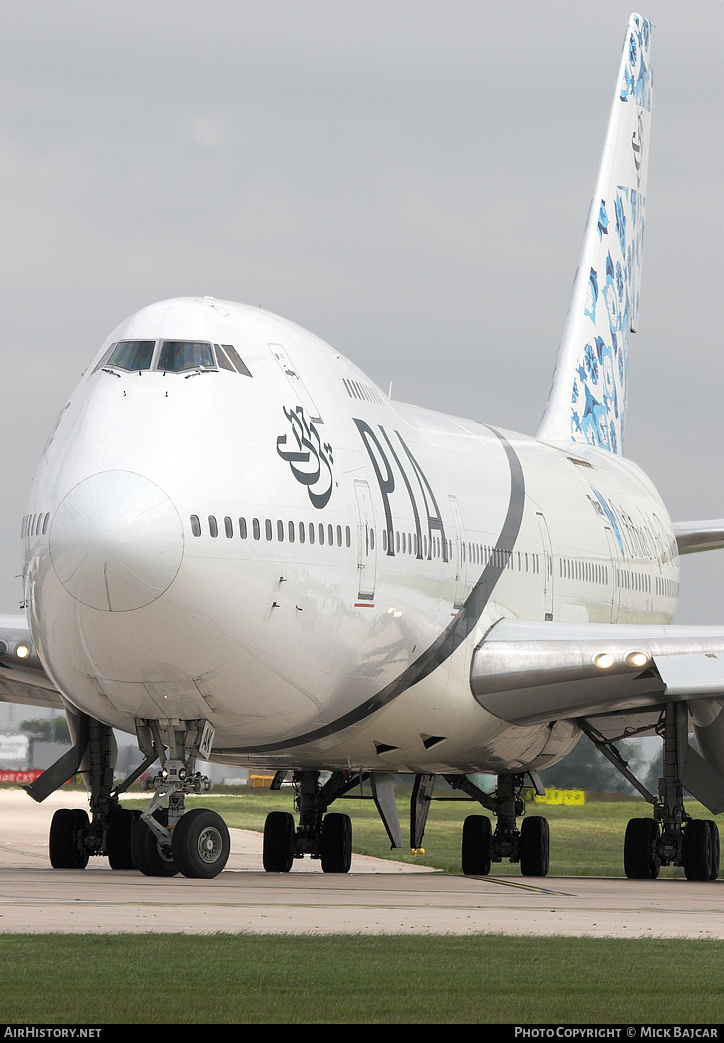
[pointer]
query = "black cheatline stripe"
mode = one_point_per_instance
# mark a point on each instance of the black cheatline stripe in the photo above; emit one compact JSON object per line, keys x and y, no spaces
{"x":454,"y":634}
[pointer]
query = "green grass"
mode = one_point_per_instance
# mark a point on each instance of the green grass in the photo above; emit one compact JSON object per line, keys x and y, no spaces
{"x":585,"y":840}
{"x":243,"y":979}
{"x":404,"y":979}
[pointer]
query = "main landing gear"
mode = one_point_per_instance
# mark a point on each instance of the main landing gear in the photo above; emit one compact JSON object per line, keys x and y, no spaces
{"x":161,"y":841}
{"x":671,"y":837}
{"x":74,"y":834}
{"x":323,"y":834}
{"x":481,"y":846}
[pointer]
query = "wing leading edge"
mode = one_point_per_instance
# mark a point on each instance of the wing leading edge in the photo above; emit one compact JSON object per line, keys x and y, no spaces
{"x":529,"y":672}
{"x":699,"y":535}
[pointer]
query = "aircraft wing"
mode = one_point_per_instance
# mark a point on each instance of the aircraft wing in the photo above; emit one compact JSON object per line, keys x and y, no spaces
{"x":22,"y":678}
{"x":616,"y":681}
{"x":527,"y":673}
{"x":699,"y":535}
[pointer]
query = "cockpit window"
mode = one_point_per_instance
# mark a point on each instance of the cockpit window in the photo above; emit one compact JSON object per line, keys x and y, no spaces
{"x":234,"y":356}
{"x":222,"y":359}
{"x":228,"y":358}
{"x":178,"y":355}
{"x":132,"y":354}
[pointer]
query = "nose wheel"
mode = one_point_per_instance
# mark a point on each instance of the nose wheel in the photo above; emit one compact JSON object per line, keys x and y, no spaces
{"x":200,"y":844}
{"x":150,"y":854}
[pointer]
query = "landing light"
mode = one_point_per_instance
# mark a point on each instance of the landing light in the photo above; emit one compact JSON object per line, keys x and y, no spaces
{"x":604,"y":660}
{"x":637,"y":659}
{"x":22,"y":651}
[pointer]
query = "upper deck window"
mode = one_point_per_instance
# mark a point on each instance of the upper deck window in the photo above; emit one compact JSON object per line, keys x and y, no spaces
{"x":179,"y":355}
{"x":132,"y":355}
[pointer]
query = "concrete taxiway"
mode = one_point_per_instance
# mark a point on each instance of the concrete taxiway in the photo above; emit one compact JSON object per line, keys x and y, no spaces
{"x":377,"y":897}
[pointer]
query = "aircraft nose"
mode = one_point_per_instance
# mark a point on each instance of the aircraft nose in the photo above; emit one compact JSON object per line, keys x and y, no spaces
{"x":116,"y":541}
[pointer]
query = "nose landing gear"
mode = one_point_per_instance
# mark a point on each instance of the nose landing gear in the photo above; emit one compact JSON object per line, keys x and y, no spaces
{"x":165,"y":841}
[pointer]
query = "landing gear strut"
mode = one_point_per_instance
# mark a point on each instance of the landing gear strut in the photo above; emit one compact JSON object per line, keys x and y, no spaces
{"x":529,"y":845}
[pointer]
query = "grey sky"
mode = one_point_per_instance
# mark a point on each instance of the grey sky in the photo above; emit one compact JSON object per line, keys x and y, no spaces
{"x":408,"y":180}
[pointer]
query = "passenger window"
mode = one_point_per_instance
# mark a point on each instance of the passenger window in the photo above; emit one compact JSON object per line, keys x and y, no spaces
{"x":213,"y":527}
{"x":321,"y":534}
{"x":347,"y":538}
{"x":280,"y":531}
{"x":268,"y":529}
{"x":228,"y":527}
{"x":311,"y":532}
{"x":242,"y":528}
{"x":195,"y":525}
{"x":301,"y":532}
{"x":256,"y":529}
{"x":132,"y":355}
{"x":291,"y":532}
{"x":339,"y":535}
{"x":179,"y":355}
{"x":330,"y":535}
{"x":45,"y":523}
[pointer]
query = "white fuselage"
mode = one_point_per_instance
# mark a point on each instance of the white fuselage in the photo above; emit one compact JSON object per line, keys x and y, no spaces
{"x":309,"y":565}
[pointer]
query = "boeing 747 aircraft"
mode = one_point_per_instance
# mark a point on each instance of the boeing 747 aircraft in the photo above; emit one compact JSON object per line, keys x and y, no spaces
{"x":239,"y":548}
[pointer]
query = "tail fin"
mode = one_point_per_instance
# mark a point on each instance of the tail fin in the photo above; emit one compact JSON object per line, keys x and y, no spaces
{"x":587,"y":402}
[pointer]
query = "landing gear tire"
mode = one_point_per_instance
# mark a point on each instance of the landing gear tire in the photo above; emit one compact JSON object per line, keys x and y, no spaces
{"x":640,"y":859}
{"x":535,"y":846}
{"x":698,"y":852}
{"x":149,"y":856}
{"x":335,"y":843}
{"x":477,"y":843}
{"x":278,"y":853}
{"x":66,"y":839}
{"x":201,"y":844}
{"x":118,"y":838}
{"x":714,"y":849}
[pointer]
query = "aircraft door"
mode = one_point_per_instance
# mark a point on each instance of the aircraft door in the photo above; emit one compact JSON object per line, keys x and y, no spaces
{"x":547,"y":567}
{"x":296,"y":383}
{"x":459,"y":555}
{"x":615,"y":566}
{"x":366,"y":542}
